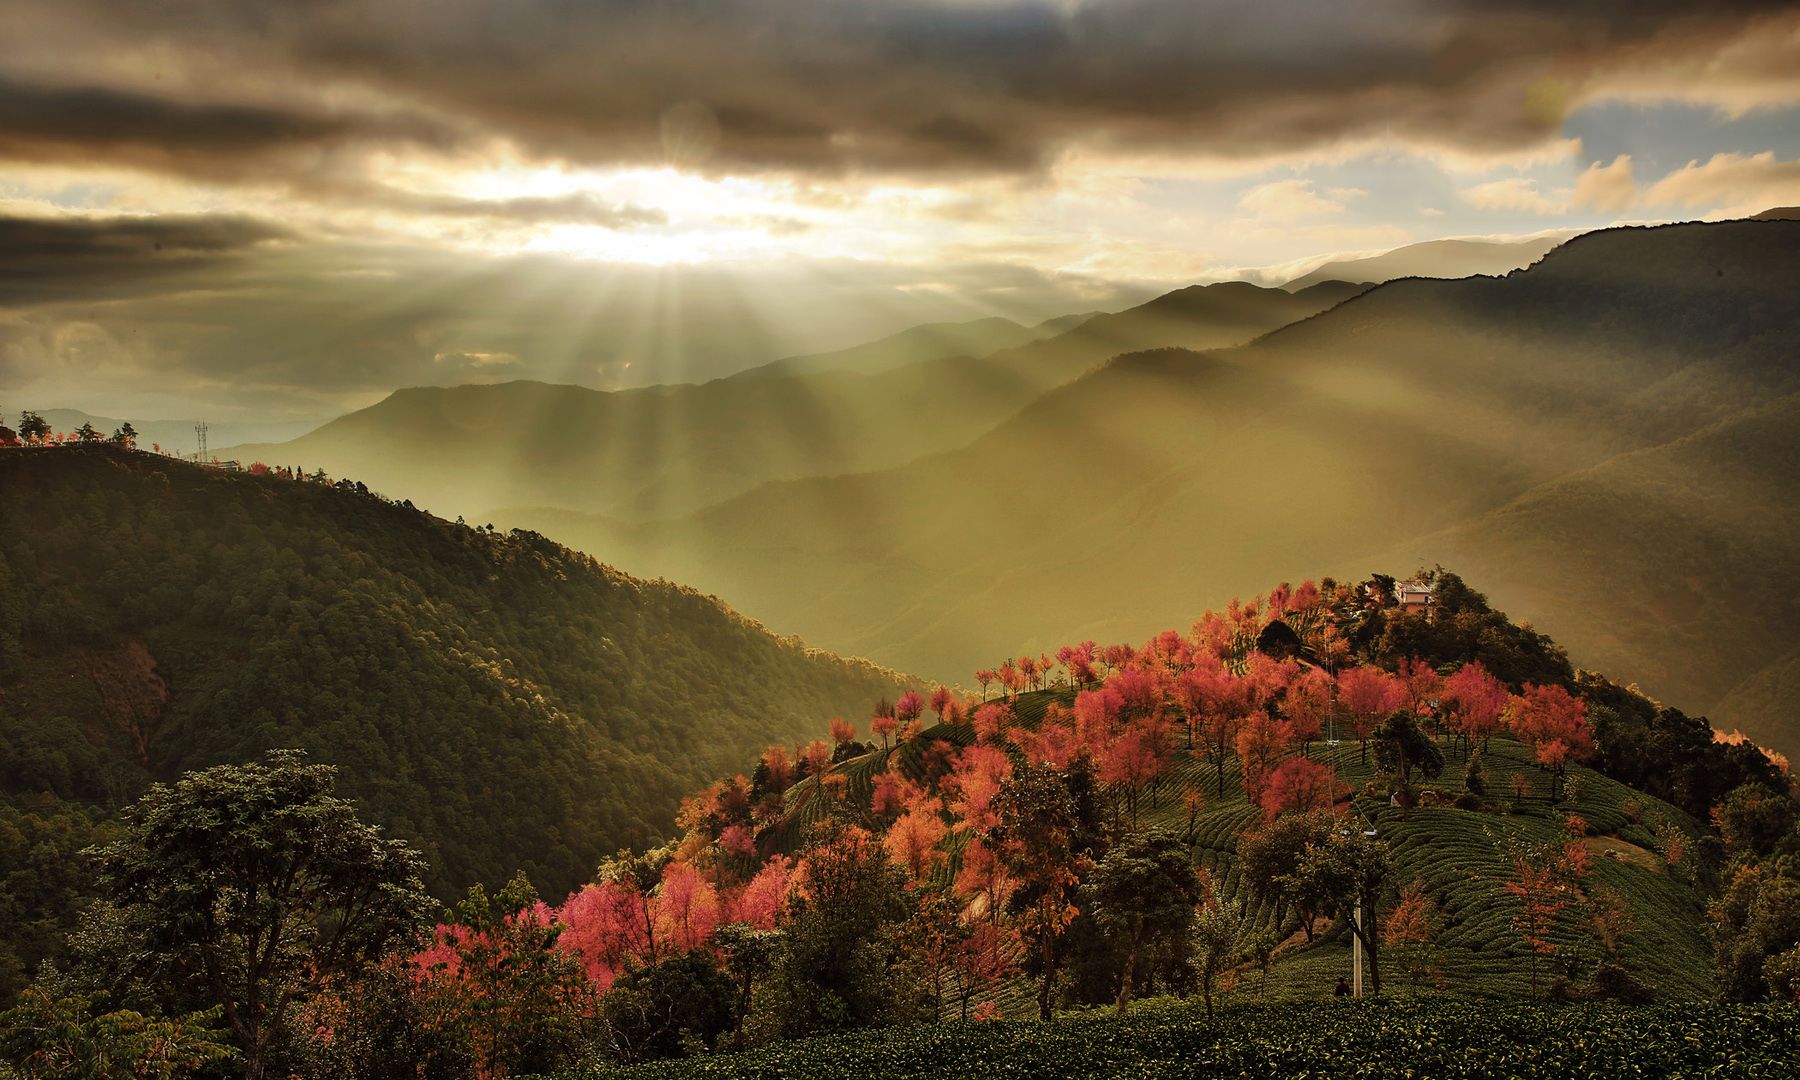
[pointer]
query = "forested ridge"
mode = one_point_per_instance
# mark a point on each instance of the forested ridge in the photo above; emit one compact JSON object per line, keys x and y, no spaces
{"x":497,"y":700}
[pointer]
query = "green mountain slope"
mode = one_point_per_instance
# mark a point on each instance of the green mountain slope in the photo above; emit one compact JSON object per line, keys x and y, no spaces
{"x":498,"y":700}
{"x":1350,"y":438}
{"x":667,"y":450}
{"x":1679,"y":564}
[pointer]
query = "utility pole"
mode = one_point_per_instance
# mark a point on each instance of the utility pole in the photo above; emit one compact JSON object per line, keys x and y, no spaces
{"x":1356,"y":955}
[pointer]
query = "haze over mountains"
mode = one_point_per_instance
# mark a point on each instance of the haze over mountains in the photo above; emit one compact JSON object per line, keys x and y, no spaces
{"x":976,"y":337}
{"x":1434,"y":259}
{"x":179,"y":434}
{"x":1559,"y":433}
{"x":1545,"y":432}
{"x":667,"y":450}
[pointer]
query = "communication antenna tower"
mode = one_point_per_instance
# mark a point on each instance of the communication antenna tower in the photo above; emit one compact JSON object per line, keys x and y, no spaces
{"x":200,"y":437}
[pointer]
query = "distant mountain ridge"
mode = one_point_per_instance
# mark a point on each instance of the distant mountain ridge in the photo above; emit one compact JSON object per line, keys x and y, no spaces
{"x":178,"y":435}
{"x":1381,"y":432}
{"x":1434,"y":259}
{"x":664,"y":451}
{"x":932,"y":341}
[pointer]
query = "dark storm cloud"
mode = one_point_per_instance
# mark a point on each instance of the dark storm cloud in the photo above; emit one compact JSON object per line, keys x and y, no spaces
{"x":79,"y":124}
{"x":44,"y":259}
{"x":825,"y":85}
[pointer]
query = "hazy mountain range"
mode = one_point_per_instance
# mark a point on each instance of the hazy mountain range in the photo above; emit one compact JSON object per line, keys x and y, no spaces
{"x":1603,"y":441}
{"x":1546,"y":432}
{"x":665,"y":450}
{"x":178,"y":435}
{"x":1435,"y":259}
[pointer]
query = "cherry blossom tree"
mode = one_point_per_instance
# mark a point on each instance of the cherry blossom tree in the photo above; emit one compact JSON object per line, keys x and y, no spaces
{"x":843,"y":732}
{"x":1261,"y":742}
{"x":1298,"y":786}
{"x":1307,"y":704}
{"x":1554,"y":724}
{"x":1474,"y":702}
{"x":1368,"y":694}
{"x":913,"y":840}
{"x":1078,"y":662}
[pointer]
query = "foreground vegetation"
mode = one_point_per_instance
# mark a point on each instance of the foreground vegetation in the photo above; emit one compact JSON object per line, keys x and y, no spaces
{"x":1220,"y":816}
{"x":1167,"y":1038}
{"x":500,"y":702}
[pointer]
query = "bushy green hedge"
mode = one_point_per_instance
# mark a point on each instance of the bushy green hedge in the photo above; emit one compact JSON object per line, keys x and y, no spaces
{"x":1341,"y":1039}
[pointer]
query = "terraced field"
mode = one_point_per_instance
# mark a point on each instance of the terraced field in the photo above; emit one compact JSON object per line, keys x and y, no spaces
{"x":1459,"y":854}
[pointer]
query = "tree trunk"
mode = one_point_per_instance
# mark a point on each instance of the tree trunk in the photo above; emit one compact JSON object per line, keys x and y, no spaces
{"x":1371,"y":945}
{"x":1131,"y":959}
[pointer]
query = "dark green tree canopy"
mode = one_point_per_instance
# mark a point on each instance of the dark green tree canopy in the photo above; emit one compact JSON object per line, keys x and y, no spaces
{"x":248,"y":885}
{"x":1401,"y":749}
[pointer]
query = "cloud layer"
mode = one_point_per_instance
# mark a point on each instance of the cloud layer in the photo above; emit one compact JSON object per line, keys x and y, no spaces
{"x":238,"y":310}
{"x":244,"y":87}
{"x":304,"y":203}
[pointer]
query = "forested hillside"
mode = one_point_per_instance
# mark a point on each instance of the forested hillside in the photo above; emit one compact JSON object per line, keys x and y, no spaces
{"x":1222,"y":814}
{"x":497,"y":700}
{"x":1604,"y":436}
{"x":672,"y":449}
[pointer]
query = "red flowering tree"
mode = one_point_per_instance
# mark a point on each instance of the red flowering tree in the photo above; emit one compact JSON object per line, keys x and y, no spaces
{"x":982,"y":961}
{"x":843,"y":732}
{"x":1216,"y":702}
{"x":1307,"y":704}
{"x":973,"y":784}
{"x":913,"y":840}
{"x":1297,"y":786}
{"x":1261,"y":742}
{"x":759,"y":903}
{"x":1553,"y":723}
{"x":1474,"y":702}
{"x":983,"y":880}
{"x":1420,"y":685}
{"x":1135,"y":759}
{"x":1078,"y":661}
{"x":1368,"y":694}
{"x":991,"y":721}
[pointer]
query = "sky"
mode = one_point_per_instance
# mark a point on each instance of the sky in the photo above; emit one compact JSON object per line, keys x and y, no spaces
{"x":285,"y":209}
